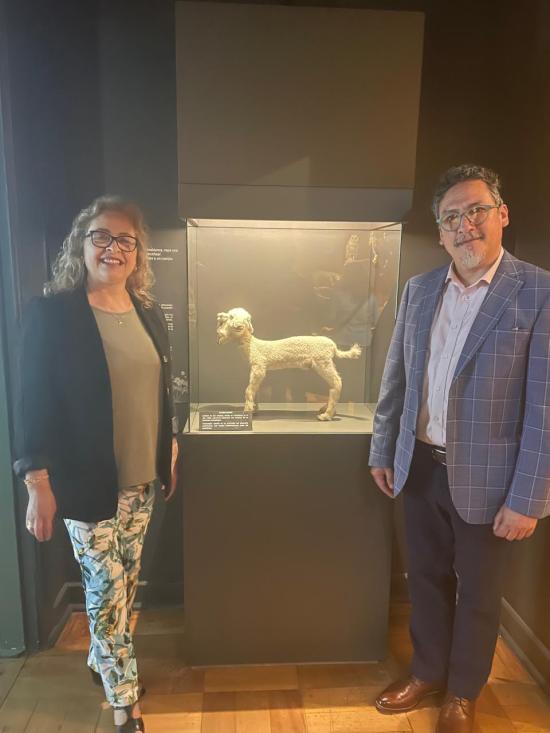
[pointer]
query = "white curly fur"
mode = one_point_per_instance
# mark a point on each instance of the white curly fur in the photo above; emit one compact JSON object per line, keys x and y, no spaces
{"x":296,"y":352}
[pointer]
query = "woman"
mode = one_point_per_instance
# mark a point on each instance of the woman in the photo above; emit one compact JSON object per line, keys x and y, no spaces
{"x":95,"y":425}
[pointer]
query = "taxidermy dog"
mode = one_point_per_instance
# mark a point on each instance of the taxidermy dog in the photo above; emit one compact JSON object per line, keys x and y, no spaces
{"x":297,"y":352}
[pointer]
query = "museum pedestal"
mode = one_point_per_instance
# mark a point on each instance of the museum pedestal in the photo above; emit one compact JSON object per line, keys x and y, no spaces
{"x":287,"y":549}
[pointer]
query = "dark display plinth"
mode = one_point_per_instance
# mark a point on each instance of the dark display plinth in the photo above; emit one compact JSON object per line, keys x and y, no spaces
{"x":287,"y":548}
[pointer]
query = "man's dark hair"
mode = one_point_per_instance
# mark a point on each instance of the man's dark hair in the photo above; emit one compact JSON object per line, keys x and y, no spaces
{"x":466,"y":172}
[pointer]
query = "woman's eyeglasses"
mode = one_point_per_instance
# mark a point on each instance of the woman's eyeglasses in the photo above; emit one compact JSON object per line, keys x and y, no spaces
{"x":102,"y":240}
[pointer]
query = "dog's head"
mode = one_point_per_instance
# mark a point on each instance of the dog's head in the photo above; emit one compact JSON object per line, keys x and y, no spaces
{"x":233,"y":325}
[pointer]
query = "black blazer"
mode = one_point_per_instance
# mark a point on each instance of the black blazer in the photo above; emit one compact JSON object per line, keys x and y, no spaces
{"x":64,"y":415}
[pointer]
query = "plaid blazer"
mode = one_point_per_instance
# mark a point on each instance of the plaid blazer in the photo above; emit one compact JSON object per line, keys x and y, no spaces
{"x":498,"y":418}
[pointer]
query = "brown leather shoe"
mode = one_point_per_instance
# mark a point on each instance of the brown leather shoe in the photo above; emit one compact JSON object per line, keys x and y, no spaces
{"x":456,"y":715}
{"x":405,"y":694}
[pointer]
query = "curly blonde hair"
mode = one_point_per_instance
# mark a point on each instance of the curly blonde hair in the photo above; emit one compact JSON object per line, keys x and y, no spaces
{"x":69,"y":270}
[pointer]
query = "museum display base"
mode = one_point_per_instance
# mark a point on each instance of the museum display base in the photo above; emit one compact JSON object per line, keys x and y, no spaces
{"x":287,"y":549}
{"x":297,"y":417}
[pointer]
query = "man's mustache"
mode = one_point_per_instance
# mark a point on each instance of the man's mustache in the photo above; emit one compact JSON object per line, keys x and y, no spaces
{"x":460,"y":242}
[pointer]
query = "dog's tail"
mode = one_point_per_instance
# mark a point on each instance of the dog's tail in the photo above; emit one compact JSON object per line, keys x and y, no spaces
{"x":353,"y":353}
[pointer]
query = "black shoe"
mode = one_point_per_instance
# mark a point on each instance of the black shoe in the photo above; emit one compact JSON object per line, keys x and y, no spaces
{"x":96,"y":679}
{"x":132,"y":725}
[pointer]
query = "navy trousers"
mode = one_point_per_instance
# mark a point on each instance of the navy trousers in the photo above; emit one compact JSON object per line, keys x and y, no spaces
{"x":455,"y":578}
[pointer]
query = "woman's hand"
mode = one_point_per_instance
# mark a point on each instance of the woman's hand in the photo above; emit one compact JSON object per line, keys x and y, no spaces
{"x":41,"y":508}
{"x":169,"y":492}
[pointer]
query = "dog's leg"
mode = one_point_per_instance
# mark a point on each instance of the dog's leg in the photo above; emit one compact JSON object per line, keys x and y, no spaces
{"x":327,"y":371}
{"x":257,"y":375}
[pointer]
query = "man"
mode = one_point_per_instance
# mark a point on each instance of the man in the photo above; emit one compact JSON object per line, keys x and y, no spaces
{"x":463,"y":428}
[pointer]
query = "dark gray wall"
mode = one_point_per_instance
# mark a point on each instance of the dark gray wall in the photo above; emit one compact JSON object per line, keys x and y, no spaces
{"x":307,"y":97}
{"x":48,"y":99}
{"x":137,"y":88}
{"x":289,"y":112}
{"x":527,"y":598}
{"x":12,"y":640}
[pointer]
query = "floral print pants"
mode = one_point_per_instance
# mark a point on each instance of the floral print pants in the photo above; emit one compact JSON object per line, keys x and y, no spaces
{"x":109,"y":555}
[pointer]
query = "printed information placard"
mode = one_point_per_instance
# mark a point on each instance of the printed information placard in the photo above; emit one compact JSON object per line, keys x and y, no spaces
{"x":225,"y":420}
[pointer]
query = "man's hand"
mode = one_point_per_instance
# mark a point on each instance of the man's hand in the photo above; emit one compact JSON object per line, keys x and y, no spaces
{"x":383,"y":478}
{"x":513,"y":526}
{"x":41,"y":510}
{"x":169,"y":491}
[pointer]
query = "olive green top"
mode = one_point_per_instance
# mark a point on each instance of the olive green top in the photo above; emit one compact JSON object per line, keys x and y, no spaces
{"x":134,"y":370}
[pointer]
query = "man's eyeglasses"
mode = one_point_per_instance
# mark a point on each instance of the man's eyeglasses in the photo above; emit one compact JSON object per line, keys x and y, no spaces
{"x":476,"y":215}
{"x":101,"y":239}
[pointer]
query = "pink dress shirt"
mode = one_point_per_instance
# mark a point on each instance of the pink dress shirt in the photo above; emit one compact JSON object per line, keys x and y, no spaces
{"x":455,"y":313}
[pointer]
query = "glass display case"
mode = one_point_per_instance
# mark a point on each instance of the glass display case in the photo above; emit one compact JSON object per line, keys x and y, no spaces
{"x":289,"y":323}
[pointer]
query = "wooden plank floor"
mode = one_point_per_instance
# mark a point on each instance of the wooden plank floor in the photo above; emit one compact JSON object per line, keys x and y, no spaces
{"x":52,"y":691}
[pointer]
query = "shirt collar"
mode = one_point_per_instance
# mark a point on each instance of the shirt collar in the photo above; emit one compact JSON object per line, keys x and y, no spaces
{"x":486,"y":278}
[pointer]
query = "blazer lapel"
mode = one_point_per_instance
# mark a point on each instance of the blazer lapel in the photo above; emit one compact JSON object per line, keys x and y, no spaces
{"x":89,"y":343}
{"x":88,"y":353}
{"x":434,"y":287}
{"x":154,"y":327}
{"x":504,"y":285}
